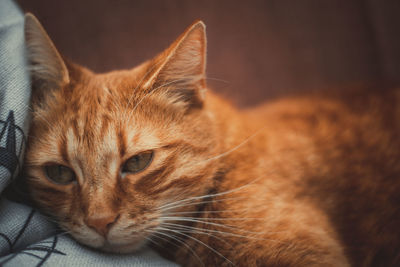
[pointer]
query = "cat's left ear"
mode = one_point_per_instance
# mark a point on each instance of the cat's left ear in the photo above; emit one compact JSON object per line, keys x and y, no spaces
{"x":180,"y":70}
{"x":48,"y":69}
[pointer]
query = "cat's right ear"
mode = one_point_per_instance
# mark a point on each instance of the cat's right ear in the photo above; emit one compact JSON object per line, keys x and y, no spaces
{"x":179,"y":72}
{"x":47,"y":68}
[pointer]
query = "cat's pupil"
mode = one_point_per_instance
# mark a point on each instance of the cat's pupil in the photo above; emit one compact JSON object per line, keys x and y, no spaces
{"x":138,"y":162}
{"x":60,"y":174}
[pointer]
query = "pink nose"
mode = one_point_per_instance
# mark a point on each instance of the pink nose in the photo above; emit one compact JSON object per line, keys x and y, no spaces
{"x":101,"y":223}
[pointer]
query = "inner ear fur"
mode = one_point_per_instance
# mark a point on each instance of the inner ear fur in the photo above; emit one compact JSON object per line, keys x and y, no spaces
{"x":180,"y":70}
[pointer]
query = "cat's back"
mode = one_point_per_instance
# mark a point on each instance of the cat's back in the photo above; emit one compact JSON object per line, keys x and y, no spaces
{"x":342,"y":152}
{"x":360,"y":119}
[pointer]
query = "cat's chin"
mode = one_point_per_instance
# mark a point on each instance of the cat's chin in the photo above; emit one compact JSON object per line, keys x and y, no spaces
{"x":105,"y":245}
{"x":122,"y":249}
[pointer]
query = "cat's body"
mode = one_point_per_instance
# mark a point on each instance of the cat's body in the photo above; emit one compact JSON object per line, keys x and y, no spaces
{"x":305,"y":181}
{"x":324,"y":180}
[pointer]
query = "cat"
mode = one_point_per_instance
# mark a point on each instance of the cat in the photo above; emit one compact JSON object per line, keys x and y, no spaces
{"x":151,"y":156}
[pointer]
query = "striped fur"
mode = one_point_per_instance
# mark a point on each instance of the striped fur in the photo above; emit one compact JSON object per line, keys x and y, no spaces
{"x":306,"y":181}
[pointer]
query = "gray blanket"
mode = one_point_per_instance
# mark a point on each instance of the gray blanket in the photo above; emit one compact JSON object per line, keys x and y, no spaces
{"x":27,"y":238}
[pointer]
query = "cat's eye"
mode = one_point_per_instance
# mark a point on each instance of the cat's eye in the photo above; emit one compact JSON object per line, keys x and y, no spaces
{"x":138,"y":162}
{"x":60,"y":174}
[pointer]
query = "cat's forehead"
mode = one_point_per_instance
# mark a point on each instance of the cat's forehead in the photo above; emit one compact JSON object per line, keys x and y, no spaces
{"x":97,"y":124}
{"x":103,"y":120}
{"x":95,"y":141}
{"x":102,"y":115}
{"x":102,"y":144}
{"x":104,"y":91}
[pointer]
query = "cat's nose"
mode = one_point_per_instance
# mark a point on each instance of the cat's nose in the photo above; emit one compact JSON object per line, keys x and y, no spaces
{"x":101,"y":223}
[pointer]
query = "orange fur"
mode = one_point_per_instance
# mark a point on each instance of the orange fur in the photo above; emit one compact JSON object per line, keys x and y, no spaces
{"x":302,"y":181}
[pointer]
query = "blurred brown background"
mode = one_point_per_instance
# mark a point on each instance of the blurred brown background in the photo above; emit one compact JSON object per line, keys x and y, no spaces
{"x":260,"y":49}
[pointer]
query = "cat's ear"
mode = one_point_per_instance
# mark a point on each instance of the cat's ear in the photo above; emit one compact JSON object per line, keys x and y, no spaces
{"x":180,"y":70}
{"x":48,"y":70}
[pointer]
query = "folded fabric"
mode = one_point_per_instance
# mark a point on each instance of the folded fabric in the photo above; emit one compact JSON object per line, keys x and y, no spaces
{"x":28,"y":238}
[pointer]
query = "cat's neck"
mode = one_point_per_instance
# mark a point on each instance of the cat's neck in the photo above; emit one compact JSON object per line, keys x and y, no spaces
{"x":230,"y":125}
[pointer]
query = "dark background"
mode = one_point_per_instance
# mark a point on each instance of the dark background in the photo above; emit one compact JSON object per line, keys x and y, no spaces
{"x":260,"y":49}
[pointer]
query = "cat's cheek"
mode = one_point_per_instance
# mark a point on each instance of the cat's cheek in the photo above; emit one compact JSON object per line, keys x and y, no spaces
{"x":88,"y":237}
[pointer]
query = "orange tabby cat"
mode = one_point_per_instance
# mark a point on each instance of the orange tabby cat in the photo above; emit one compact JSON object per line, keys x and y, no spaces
{"x":140,"y":156}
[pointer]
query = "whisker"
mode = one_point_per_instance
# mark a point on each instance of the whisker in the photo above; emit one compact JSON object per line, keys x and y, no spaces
{"x":213,"y":158}
{"x":154,"y":234}
{"x":195,"y":230}
{"x":209,"y":195}
{"x":174,"y":237}
{"x":233,"y":148}
{"x":219,"y":219}
{"x":183,"y":219}
{"x":152,"y":241}
{"x":203,"y":230}
{"x":205,"y":211}
{"x":192,"y":229}
{"x":199,"y":241}
{"x":198,"y":203}
{"x":218,"y":80}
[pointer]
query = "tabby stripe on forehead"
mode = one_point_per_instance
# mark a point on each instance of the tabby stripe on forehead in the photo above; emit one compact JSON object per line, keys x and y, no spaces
{"x":75,"y":127}
{"x":121,"y":142}
{"x":148,"y":182}
{"x":62,"y":148}
{"x":104,"y":125}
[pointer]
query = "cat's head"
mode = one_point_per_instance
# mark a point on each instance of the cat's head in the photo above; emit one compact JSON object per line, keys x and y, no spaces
{"x":110,"y":156}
